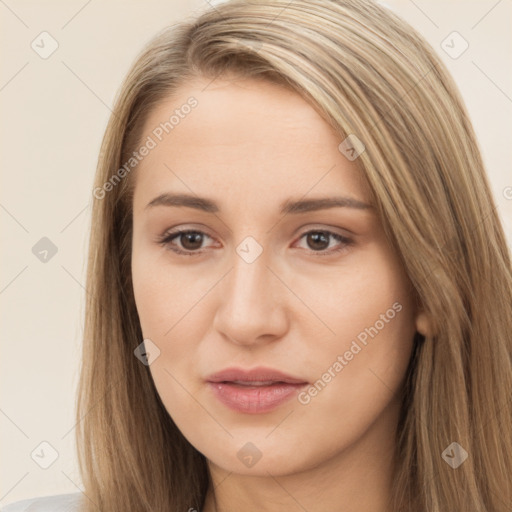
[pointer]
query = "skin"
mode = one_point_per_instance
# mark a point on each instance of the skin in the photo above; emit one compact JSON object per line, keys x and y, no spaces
{"x":250,"y":145}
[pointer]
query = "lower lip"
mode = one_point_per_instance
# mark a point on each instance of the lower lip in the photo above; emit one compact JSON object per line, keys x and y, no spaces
{"x":254,"y":399}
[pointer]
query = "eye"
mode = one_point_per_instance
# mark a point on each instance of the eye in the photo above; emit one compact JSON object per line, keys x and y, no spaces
{"x":189,"y":239}
{"x":319,"y":240}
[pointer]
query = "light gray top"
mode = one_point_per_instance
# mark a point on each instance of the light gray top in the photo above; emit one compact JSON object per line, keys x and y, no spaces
{"x":57,"y":503}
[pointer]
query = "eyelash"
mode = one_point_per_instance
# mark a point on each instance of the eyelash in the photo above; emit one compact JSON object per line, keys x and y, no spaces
{"x":168,"y":237}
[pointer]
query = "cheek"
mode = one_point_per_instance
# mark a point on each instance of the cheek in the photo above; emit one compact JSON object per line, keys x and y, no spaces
{"x":171,"y":314}
{"x":361,"y":367}
{"x":164,"y":294}
{"x":370,"y":290}
{"x":367,"y":313}
{"x":175,"y":314}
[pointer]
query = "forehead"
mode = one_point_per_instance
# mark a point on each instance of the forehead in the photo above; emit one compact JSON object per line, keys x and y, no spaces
{"x":248,"y":141}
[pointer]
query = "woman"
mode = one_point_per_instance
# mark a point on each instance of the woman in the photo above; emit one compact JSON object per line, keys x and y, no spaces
{"x":232,"y":363}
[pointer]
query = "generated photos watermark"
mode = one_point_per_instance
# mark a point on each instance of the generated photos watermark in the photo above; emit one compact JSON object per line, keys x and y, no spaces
{"x":361,"y":341}
{"x":151,"y":142}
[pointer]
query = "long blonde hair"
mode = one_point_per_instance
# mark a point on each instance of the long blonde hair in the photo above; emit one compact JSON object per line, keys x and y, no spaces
{"x":370,"y":74}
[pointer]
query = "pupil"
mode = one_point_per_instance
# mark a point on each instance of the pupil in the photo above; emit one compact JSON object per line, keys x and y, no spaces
{"x":190,"y":237}
{"x":318,"y":236}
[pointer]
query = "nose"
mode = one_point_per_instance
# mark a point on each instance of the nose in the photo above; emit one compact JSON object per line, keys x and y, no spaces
{"x":251,"y":303}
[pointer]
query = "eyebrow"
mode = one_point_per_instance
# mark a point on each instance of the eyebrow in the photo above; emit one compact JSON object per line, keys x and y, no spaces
{"x":288,"y":206}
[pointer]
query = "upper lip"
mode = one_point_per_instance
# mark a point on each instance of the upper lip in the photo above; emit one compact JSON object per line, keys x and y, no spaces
{"x":259,"y":374}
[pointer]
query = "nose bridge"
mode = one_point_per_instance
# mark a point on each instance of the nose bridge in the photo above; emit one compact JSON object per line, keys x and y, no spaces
{"x":247,"y":307}
{"x":249,"y":277}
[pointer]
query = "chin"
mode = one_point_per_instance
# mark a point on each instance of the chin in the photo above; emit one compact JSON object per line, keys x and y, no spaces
{"x":263,"y":457}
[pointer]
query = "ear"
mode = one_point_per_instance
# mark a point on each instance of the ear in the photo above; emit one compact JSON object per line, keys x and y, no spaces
{"x":423,"y":325}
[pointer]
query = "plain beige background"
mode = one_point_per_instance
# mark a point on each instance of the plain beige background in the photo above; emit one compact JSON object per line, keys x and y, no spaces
{"x":54,"y":112}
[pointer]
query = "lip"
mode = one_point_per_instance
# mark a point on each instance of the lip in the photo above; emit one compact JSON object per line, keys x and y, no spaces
{"x":259,"y":374}
{"x":254,"y":391}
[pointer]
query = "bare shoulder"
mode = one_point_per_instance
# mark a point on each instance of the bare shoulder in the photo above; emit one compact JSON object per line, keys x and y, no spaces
{"x":71,"y":502}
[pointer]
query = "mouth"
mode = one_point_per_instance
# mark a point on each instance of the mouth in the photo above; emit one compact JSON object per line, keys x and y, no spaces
{"x":254,"y":383}
{"x":254,"y":391}
{"x":254,"y":376}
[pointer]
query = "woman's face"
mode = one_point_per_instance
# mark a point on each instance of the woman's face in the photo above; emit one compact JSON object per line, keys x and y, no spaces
{"x":256,"y":287}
